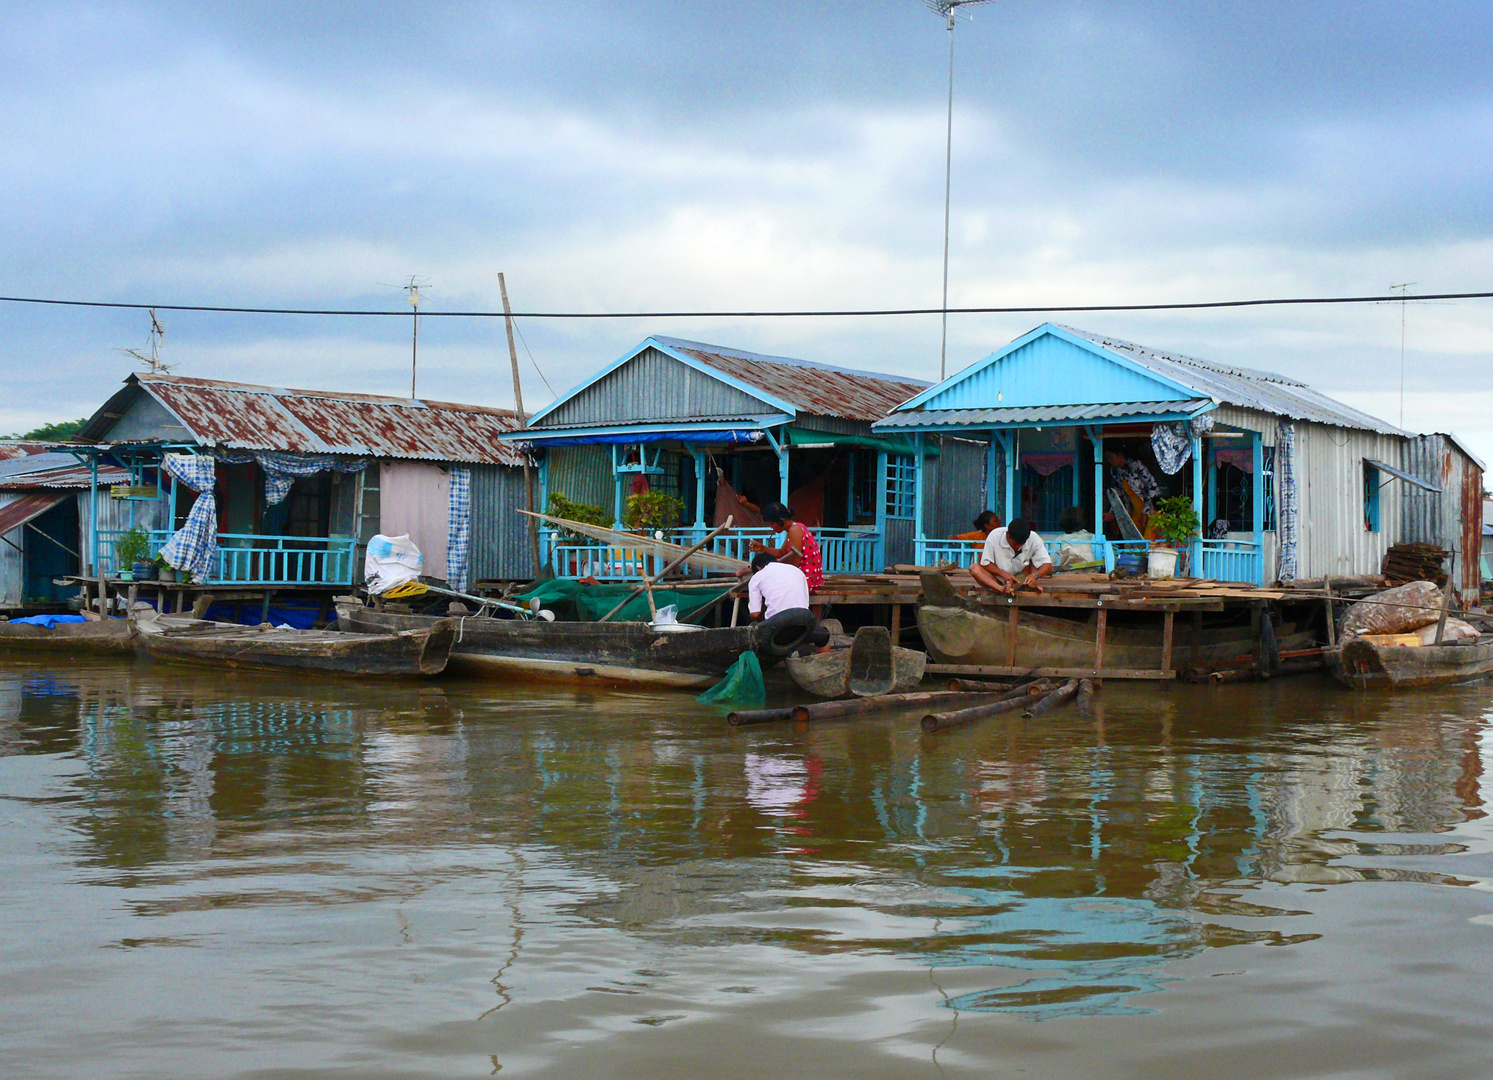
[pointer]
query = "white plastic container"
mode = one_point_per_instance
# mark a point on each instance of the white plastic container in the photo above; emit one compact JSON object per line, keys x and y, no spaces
{"x":1161,"y":562}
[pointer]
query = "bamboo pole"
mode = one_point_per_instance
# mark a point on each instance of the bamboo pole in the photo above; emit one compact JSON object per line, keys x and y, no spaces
{"x":668,"y":569}
{"x":1086,"y":696}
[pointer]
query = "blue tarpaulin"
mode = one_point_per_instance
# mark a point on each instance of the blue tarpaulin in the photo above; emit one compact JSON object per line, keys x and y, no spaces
{"x":48,"y":621}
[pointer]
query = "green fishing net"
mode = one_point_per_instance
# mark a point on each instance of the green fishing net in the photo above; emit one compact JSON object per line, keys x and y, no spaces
{"x":742,"y":685}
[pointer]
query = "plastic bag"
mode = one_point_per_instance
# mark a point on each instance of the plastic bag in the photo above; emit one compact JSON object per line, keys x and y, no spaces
{"x":391,"y":561}
{"x":743,"y":684}
{"x":667,"y":615}
{"x":1394,"y":611}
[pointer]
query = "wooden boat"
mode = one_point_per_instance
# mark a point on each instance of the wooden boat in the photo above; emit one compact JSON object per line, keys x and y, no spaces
{"x":1400,"y":661}
{"x":957,"y":630}
{"x":414,"y":652}
{"x":615,"y":653}
{"x":872,"y":666}
{"x":102,"y":636}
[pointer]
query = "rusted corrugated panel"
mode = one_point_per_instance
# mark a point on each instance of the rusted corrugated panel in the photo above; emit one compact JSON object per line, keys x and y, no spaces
{"x":245,"y":417}
{"x":13,"y":449}
{"x":815,"y":388}
{"x":54,"y":470}
{"x":17,"y":512}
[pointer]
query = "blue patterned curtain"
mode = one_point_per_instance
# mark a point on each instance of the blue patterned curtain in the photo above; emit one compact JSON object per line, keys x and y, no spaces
{"x":194,"y":547}
{"x":283,"y":470}
{"x":459,"y":528}
{"x":1285,"y":499}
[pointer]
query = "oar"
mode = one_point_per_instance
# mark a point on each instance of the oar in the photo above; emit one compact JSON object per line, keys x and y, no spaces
{"x":648,"y":585}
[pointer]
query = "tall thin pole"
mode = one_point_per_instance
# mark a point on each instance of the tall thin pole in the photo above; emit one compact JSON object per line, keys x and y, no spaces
{"x":414,"y":350}
{"x":948,"y":172}
{"x":518,"y":411}
{"x":1402,"y":289}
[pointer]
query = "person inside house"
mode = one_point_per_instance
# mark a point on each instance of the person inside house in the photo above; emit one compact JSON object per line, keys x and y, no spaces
{"x":1013,"y":556}
{"x":983,"y":524}
{"x":799,"y":548}
{"x":1076,"y":544}
{"x":775,"y":586}
{"x":1138,"y":482}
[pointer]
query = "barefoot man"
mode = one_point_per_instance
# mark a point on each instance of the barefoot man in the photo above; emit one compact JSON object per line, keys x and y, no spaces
{"x":1013,"y":556}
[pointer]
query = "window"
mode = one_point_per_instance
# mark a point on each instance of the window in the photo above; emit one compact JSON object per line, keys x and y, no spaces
{"x":1370,"y":498}
{"x":901,"y":485}
{"x":1267,"y":456}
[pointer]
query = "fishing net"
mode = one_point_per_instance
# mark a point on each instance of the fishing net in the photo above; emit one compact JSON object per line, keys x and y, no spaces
{"x":743,"y":684}
{"x":573,"y":602}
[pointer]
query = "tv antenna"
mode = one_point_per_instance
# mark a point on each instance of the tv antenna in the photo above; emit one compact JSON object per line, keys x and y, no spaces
{"x":412,"y":294}
{"x":151,"y":360}
{"x":1403,"y":286}
{"x":949,"y":9}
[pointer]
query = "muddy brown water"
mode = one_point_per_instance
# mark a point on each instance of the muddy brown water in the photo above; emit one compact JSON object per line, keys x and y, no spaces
{"x":243,"y":876}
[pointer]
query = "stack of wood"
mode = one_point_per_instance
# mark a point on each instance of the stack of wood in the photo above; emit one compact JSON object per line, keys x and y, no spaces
{"x":1415,"y":562}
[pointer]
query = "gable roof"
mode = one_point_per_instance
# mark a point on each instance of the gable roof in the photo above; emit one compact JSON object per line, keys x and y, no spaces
{"x":244,"y":416}
{"x":1144,"y":374}
{"x":782,"y":384}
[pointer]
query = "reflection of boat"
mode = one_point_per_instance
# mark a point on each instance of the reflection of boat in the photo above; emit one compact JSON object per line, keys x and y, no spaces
{"x":610,"y":652}
{"x":872,"y":666}
{"x":105,"y":635}
{"x":1395,"y":661}
{"x":961,"y":631}
{"x":414,"y":652}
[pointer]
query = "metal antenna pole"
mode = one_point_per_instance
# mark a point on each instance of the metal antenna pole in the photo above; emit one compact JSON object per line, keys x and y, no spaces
{"x":1402,"y":289}
{"x":948,"y":173}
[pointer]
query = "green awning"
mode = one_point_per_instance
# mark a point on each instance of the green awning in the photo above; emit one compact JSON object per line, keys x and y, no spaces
{"x":809,"y":439}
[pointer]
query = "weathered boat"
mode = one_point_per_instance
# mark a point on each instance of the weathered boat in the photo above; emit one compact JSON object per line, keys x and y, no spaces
{"x":1400,"y":661}
{"x":609,"y":653}
{"x":414,"y":652}
{"x":100,"y":636}
{"x":957,"y":630}
{"x":872,"y":666}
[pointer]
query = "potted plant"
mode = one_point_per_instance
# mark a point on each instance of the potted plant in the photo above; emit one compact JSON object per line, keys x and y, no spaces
{"x":164,"y":570}
{"x":648,"y":511}
{"x":131,"y":550}
{"x":586,"y":514}
{"x":1175,"y":523}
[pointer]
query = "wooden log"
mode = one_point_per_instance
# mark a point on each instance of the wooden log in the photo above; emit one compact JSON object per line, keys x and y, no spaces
{"x":1101,"y":631}
{"x":1085,"y":699}
{"x":829,"y":710}
{"x":987,"y":670}
{"x":942,"y":721}
{"x":974,"y":686}
{"x":1011,"y":632}
{"x":1053,"y":700}
{"x":747,"y":717}
{"x":1168,"y":625}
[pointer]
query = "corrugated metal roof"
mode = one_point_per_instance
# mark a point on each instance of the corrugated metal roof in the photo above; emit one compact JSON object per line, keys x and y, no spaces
{"x":1038,"y":414}
{"x":1244,"y":387}
{"x":17,"y":512}
{"x":11,"y":448}
{"x":242,"y":416}
{"x":54,"y":470}
{"x":807,"y":386}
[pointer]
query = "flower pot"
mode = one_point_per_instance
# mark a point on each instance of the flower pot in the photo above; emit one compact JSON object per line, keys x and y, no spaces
{"x":126,"y":575}
{"x":144,"y":570}
{"x":168,"y":573}
{"x":1161,"y":562}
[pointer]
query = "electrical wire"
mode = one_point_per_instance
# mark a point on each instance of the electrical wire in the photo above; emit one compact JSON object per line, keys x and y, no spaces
{"x":838,"y":313}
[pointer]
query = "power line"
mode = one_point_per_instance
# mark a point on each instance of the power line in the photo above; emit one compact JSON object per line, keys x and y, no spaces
{"x":839,"y":313}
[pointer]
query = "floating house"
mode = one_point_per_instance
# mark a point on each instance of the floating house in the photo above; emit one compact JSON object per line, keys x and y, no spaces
{"x":1288,"y":482}
{"x":712,"y":426}
{"x":288,"y":486}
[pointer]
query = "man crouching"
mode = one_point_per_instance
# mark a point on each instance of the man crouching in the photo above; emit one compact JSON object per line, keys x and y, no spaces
{"x":1013,"y":556}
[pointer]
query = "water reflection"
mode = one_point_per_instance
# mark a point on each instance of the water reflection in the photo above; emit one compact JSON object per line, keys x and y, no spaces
{"x":1045,"y":870}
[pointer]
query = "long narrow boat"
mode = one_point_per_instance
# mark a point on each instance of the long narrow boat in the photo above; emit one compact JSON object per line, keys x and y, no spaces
{"x":102,"y":636}
{"x":407,"y":653}
{"x":957,"y":630}
{"x":610,"y":653}
{"x":1389,"y":662}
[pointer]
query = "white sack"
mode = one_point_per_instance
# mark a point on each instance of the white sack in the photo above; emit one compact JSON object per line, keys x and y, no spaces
{"x":391,"y":561}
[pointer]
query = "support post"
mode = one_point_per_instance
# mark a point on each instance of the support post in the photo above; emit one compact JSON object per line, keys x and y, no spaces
{"x":1011,"y":631}
{"x":783,"y":465}
{"x":917,"y":496}
{"x":92,"y":559}
{"x":881,"y":515}
{"x":1196,"y":569}
{"x":1101,"y":631}
{"x":1008,"y":453}
{"x":1096,"y":438}
{"x":990,"y":473}
{"x":1168,"y":626}
{"x":699,"y":457}
{"x":1257,"y":503}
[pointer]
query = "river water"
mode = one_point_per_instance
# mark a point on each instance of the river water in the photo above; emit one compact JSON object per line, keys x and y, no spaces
{"x":234,"y":875}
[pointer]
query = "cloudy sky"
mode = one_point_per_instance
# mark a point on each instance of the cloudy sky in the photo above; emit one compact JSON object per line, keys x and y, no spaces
{"x":742,"y":155}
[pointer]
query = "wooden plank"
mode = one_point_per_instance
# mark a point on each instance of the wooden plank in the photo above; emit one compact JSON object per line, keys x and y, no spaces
{"x":1101,"y":631}
{"x":896,"y":622}
{"x":1150,"y":674}
{"x":1168,"y":622}
{"x":1011,"y":635}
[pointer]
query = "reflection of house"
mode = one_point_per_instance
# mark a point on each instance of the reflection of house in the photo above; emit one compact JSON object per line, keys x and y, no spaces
{"x":44,"y":507}
{"x":685,"y":418}
{"x":1288,"y":482}
{"x":302,"y":479}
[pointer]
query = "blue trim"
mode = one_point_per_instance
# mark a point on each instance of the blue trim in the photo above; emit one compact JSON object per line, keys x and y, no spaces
{"x":1138,"y":418}
{"x":682,"y":426}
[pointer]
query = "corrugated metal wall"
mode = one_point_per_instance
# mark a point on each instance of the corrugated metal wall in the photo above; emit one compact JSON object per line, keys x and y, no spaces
{"x":500,"y":535}
{"x":583,"y":474}
{"x":837,"y":424}
{"x":1451,"y":518}
{"x":12,"y":577}
{"x":654,"y":386}
{"x":114,"y":515}
{"x":899,"y":540}
{"x":952,"y":484}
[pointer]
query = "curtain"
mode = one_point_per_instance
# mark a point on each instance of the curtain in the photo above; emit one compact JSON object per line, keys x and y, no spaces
{"x":194,"y":547}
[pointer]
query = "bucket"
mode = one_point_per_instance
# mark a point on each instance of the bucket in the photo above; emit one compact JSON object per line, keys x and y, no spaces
{"x":1162,"y":562}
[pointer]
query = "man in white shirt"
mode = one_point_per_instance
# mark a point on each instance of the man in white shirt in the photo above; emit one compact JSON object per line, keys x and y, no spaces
{"x":775,"y":586}
{"x":1013,"y":556}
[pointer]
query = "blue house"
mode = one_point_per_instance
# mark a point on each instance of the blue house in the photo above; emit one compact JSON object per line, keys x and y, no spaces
{"x":1063,"y":412}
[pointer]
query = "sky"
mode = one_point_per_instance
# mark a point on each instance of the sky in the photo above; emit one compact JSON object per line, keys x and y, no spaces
{"x":663,"y":156}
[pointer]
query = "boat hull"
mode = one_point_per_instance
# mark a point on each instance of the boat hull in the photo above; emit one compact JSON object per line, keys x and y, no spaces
{"x":411,"y":654}
{"x":828,"y":675}
{"x":603,"y":653}
{"x":1363,"y":664}
{"x":107,"y":636}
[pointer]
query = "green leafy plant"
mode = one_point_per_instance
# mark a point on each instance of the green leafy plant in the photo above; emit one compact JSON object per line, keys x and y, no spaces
{"x":132,"y":547}
{"x":652,"y":510}
{"x":585,"y":513}
{"x":1175,"y":520}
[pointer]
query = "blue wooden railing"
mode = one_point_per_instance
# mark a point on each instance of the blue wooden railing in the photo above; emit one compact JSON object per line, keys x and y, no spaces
{"x":247,"y":559}
{"x":844,"y":551}
{"x":1221,"y":560}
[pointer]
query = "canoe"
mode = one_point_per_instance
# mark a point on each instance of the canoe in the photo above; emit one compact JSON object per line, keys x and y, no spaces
{"x":956,"y":630}
{"x":1389,"y":662}
{"x":104,"y":636}
{"x":872,"y":666}
{"x":409,"y":653}
{"x":610,"y":653}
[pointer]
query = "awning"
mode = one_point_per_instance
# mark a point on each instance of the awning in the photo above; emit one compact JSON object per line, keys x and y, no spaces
{"x":709,"y":438}
{"x":810,"y":440}
{"x":1401,"y":474}
{"x":15,"y":514}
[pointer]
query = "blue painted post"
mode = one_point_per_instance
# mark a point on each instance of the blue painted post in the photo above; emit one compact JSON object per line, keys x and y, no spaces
{"x":1257,"y":502}
{"x":917,"y":497}
{"x":699,"y":494}
{"x":1008,"y":448}
{"x":544,"y":504}
{"x":1077,"y":465}
{"x":783,"y":467}
{"x":616,"y":491}
{"x":93,"y":512}
{"x":881,"y":519}
{"x":1096,"y":438}
{"x":990,"y":474}
{"x":1197,"y":502}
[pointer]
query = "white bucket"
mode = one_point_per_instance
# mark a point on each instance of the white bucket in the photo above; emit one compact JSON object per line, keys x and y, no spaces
{"x":1161,"y":562}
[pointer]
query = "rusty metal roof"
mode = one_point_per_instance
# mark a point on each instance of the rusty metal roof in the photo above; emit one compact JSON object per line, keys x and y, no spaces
{"x":243,"y":416}
{"x":17,"y":512}
{"x":54,"y":470}
{"x":807,"y":386}
{"x":15,"y":448}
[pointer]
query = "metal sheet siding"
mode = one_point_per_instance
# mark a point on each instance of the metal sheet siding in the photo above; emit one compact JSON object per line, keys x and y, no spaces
{"x":899,"y":541}
{"x":500,"y":535}
{"x":1037,"y":414}
{"x":583,"y":474}
{"x":12,"y":578}
{"x":952,"y":488}
{"x":1331,"y":535}
{"x":653,"y":386}
{"x":838,"y":425}
{"x":1451,"y":518}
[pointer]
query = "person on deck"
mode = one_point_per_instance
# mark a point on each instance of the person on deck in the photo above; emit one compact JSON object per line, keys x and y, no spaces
{"x":775,"y":586}
{"x":1131,"y":476}
{"x":1013,"y":556}
{"x":983,"y":524}
{"x":799,"y":548}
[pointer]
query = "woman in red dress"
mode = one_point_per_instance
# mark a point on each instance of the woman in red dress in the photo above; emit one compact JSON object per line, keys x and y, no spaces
{"x":799,"y":547}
